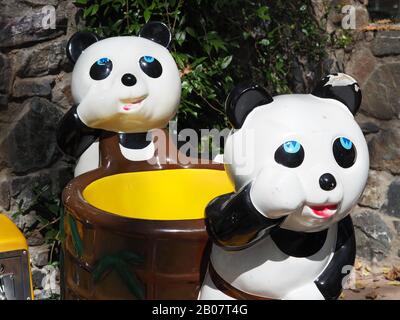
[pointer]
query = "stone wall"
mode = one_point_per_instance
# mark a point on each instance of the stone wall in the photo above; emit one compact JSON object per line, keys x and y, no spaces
{"x":373,"y":58}
{"x":34,"y":93}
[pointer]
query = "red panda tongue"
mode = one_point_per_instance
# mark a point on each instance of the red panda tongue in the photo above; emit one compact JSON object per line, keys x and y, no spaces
{"x":324,"y":211}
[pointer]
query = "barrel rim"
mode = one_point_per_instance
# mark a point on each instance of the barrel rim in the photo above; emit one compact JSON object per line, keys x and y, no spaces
{"x":74,"y":201}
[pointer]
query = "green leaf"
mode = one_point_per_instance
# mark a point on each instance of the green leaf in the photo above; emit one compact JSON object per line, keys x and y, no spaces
{"x":180,"y":37}
{"x":95,"y":9}
{"x":103,"y":2}
{"x":87,"y":12}
{"x":43,"y":221}
{"x":191,"y":32}
{"x":263,"y":13}
{"x":198,"y":61}
{"x":226,"y":62}
{"x":213,"y":38}
{"x":265,"y":42}
{"x":117,"y":23}
{"x":147,"y":15}
{"x":51,"y":235}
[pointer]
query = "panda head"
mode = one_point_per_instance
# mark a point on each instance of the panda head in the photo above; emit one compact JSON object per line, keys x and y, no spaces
{"x":306,"y":153}
{"x":125,"y":84}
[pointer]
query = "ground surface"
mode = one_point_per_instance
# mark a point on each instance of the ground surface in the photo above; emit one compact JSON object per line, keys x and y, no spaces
{"x":373,"y":283}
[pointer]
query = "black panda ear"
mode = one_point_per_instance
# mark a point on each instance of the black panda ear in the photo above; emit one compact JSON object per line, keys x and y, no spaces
{"x":242,"y":100}
{"x":340,"y":87}
{"x":156,"y":31}
{"x":78,"y":43}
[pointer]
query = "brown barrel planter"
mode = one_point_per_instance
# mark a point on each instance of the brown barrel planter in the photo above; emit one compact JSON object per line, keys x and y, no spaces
{"x":135,"y":230}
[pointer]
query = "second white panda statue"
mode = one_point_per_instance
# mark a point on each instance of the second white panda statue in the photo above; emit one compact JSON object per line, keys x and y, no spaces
{"x":286,"y":232}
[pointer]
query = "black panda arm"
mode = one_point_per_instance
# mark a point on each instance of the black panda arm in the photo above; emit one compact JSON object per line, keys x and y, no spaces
{"x":329,"y":282}
{"x":73,"y":136}
{"x":234,"y":223}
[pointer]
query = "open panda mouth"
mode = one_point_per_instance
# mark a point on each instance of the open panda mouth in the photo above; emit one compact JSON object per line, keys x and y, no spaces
{"x":324,"y":211}
{"x":132,"y":103}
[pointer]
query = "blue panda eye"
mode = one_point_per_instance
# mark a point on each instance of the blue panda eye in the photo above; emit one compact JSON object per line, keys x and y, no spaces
{"x":101,"y":69}
{"x":102,"y":61}
{"x":290,"y":154}
{"x":291,"y":146}
{"x":148,"y":59}
{"x":344,"y":152}
{"x":346,"y":143}
{"x":150,"y":66}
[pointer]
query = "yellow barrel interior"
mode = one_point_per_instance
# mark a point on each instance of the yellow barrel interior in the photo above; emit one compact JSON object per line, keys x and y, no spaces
{"x":178,"y":194}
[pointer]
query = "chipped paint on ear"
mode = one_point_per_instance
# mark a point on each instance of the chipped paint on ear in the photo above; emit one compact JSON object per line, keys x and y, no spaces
{"x":340,"y":80}
{"x":342,"y":88}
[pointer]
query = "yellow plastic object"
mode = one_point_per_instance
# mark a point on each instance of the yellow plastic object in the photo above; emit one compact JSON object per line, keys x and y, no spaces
{"x":12,"y":239}
{"x":178,"y":194}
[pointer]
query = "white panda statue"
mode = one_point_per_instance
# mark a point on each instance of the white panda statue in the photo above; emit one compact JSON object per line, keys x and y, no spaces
{"x":126,"y":84}
{"x":286,"y":233}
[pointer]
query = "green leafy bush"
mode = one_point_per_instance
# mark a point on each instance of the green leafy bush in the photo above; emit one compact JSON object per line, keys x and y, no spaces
{"x":219,"y":43}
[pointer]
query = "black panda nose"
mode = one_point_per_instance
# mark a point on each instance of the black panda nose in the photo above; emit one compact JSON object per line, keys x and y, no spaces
{"x":128,"y":79}
{"x":327,"y":182}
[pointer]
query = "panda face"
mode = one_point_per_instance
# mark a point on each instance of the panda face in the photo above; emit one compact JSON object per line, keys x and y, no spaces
{"x":308,"y":160}
{"x":126,"y":84}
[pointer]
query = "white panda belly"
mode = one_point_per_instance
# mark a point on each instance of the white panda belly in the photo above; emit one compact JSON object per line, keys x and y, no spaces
{"x":143,"y":154}
{"x":264,"y":270}
{"x":90,"y":159}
